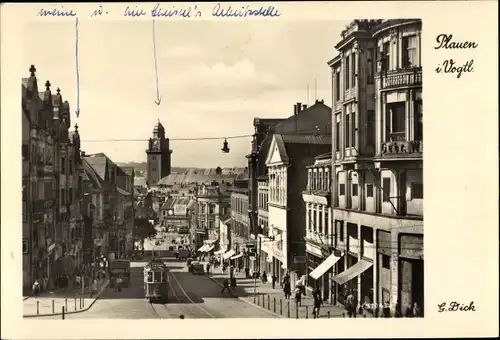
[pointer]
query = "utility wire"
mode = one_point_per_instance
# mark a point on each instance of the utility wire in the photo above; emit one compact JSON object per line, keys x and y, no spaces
{"x":300,"y":132}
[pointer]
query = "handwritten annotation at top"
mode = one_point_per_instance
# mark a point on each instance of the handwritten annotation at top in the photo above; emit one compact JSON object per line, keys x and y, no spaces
{"x":170,"y":11}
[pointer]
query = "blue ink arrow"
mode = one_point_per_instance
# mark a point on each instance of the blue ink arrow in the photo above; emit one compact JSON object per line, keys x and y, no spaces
{"x":77,"y":76}
{"x":158,"y":98}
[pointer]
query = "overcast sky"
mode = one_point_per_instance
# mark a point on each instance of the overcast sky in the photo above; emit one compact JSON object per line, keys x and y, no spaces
{"x":214,"y":78}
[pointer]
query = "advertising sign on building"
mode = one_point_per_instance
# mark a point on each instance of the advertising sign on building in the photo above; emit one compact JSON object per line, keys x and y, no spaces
{"x":180,"y":209}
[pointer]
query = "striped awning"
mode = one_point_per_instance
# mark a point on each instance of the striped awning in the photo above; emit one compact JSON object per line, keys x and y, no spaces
{"x":202,"y":248}
{"x":209,"y":248}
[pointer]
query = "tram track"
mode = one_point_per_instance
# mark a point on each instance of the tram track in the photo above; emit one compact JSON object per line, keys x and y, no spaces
{"x":186,"y":306}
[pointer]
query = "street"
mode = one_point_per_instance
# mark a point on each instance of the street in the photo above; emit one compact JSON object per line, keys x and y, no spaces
{"x":194,"y":296}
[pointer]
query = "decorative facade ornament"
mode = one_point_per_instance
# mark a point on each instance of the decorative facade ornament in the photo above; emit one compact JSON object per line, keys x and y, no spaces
{"x":393,"y":34}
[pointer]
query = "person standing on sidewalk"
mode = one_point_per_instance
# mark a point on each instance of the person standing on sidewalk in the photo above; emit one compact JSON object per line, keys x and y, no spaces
{"x":351,"y":304}
{"x":273,"y":280}
{"x":36,"y":288}
{"x":225,"y":286}
{"x":318,"y":301}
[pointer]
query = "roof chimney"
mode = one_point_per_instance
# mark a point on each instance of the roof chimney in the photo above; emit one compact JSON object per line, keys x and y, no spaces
{"x":83,"y":153}
{"x":295,"y":109}
{"x":304,"y":107}
{"x":299,"y":107}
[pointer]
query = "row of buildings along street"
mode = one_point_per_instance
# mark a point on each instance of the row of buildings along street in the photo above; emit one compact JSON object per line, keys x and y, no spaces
{"x":331,"y":196}
{"x":76,"y":207}
{"x":342,"y":213}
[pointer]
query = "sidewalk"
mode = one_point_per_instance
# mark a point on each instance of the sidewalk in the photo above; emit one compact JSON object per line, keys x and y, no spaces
{"x":273,"y":299}
{"x":51,"y":303}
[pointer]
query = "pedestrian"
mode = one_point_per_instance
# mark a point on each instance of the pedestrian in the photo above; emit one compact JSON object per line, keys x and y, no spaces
{"x":225,"y":287}
{"x":298,"y":296}
{"x":318,"y":301}
{"x":287,"y":290}
{"x":409,"y":311}
{"x":35,"y":288}
{"x":94,"y":288}
{"x":119,"y":284}
{"x":247,"y":272}
{"x":397,"y":311}
{"x":417,"y":313}
{"x":208,"y":268}
{"x":351,"y":304}
{"x":273,"y":280}
{"x":264,"y":277}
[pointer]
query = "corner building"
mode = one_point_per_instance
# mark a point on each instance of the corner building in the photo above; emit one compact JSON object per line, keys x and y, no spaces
{"x":377,"y":183}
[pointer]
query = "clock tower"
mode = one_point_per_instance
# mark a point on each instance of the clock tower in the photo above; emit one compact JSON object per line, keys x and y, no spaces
{"x":159,"y":156}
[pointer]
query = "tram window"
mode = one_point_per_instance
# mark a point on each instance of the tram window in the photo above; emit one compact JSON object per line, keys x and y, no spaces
{"x":150,"y":277}
{"x":157,"y":276}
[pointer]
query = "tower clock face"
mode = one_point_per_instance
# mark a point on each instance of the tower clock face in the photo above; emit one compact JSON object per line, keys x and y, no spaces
{"x":170,"y":212}
{"x":156,"y":144}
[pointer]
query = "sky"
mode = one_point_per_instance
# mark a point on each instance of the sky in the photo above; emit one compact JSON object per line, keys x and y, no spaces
{"x":214,"y":78}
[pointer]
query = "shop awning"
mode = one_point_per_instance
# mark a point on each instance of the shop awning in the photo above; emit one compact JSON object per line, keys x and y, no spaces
{"x":352,"y":272}
{"x":324,"y":266}
{"x":209,"y":248}
{"x":202,"y":248}
{"x":219,"y":252}
{"x":228,"y":254}
{"x":237,"y":256}
{"x":210,"y":241}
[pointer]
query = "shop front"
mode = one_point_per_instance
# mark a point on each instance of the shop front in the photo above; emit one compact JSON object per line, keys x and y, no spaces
{"x":352,"y":279}
{"x":411,"y":270}
{"x":320,"y":269}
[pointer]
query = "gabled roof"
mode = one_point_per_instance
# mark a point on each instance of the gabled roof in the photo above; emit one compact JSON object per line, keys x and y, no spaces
{"x":92,"y":175}
{"x":172,"y":201}
{"x":195,"y":176}
{"x":287,"y":145}
{"x":99,"y":163}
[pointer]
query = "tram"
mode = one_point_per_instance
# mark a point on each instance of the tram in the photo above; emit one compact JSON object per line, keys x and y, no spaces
{"x":156,"y":282}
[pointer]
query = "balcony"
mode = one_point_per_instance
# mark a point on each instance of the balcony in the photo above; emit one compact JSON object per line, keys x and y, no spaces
{"x":402,"y":78}
{"x":398,"y":148}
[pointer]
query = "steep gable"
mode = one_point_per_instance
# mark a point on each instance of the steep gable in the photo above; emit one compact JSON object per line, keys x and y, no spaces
{"x":277,"y":153}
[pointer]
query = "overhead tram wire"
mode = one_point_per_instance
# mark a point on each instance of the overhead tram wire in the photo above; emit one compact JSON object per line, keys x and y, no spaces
{"x":303,"y":132}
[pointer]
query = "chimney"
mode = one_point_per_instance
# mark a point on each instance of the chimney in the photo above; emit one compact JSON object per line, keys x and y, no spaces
{"x":299,"y":107}
{"x":295,"y":109}
{"x":83,"y":153}
{"x":304,"y":107}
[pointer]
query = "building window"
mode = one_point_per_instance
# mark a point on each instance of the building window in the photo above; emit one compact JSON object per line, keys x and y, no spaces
{"x":337,"y":86}
{"x":386,"y":261}
{"x":153,"y":169}
{"x":340,"y":230}
{"x":353,"y":118}
{"x":347,"y":76}
{"x":153,"y":158}
{"x":342,"y":189}
{"x":353,"y":73}
{"x":395,"y":121}
{"x":320,"y":221}
{"x":63,"y":199}
{"x":347,"y":130}
{"x":410,"y":52}
{"x":63,"y":165}
{"x":417,"y":190}
{"x":419,"y":128}
{"x":25,"y":246}
{"x":369,"y":190}
{"x":386,"y":50}
{"x":354,"y":190}
{"x":337,"y":136}
{"x":370,"y":65}
{"x":370,"y":128}
{"x":70,"y":196}
{"x":70,"y":166}
{"x":326,"y":223}
{"x":386,"y":188}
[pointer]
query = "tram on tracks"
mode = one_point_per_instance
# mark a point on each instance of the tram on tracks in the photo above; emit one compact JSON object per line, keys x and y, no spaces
{"x":156,"y":282}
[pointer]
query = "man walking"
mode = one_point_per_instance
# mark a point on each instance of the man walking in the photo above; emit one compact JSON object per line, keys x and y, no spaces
{"x":318,"y":301}
{"x":225,"y":286}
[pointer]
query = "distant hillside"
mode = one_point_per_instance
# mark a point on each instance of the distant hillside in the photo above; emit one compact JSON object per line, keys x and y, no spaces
{"x":143,"y":166}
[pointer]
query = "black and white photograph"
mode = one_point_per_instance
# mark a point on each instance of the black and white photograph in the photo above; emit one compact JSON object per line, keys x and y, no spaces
{"x":242,"y":167}
{"x":315,"y":212}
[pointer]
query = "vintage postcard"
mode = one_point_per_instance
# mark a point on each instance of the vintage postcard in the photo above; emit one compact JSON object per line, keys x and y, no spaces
{"x":249,"y":170}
